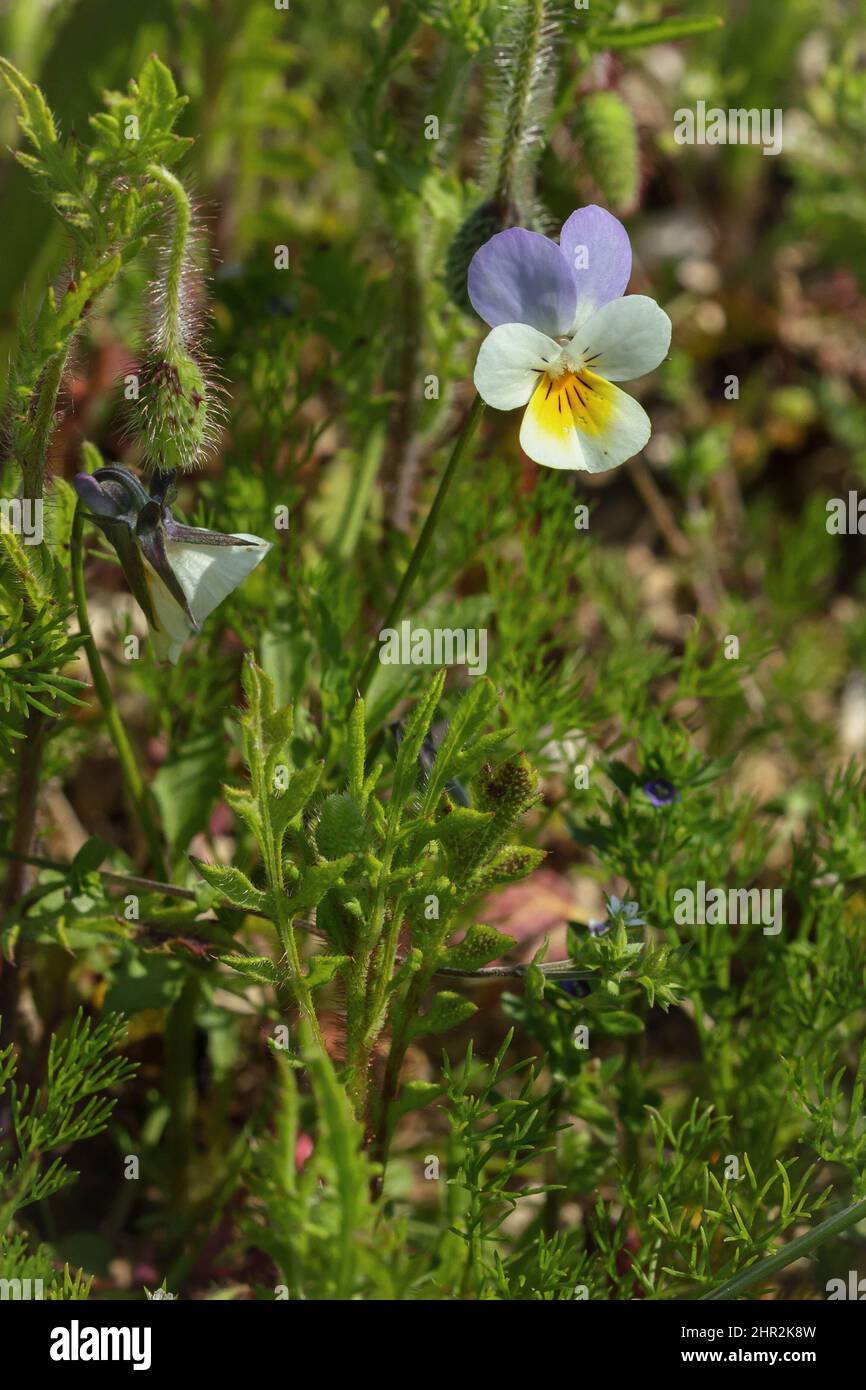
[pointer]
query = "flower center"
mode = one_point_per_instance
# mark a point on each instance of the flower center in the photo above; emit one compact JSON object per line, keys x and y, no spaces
{"x":566,"y":399}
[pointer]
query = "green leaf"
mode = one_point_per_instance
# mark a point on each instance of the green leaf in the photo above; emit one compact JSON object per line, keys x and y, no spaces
{"x":357,"y":753}
{"x":260,"y":969}
{"x":463,"y":825}
{"x":36,"y":119}
{"x":92,"y":853}
{"x":316,"y":882}
{"x":234,"y":886}
{"x":342,"y":1139}
{"x":480,"y":945}
{"x":509,"y":865}
{"x":446,"y":1011}
{"x":406,"y":772}
{"x":414,"y":1096}
{"x":643,"y":34}
{"x":282,"y":809}
{"x":607,"y":134}
{"x":323,"y":969}
{"x":241,"y":803}
{"x":620,"y":1025}
{"x":140,"y":982}
{"x":471,"y":713}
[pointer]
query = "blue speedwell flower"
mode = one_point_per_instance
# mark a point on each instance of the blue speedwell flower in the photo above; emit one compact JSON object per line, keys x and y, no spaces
{"x":617,"y":907}
{"x":660,"y":791}
{"x":562,"y":334}
{"x":177,"y":574}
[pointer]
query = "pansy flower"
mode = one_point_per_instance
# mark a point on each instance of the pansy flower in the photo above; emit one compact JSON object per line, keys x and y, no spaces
{"x":563,"y":333}
{"x":178,"y":574}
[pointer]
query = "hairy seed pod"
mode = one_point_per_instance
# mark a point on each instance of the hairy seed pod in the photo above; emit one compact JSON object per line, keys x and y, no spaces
{"x":607,"y":133}
{"x":174,"y":411}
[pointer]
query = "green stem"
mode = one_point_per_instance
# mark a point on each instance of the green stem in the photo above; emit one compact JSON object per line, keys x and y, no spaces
{"x":172,"y":325}
{"x":795,"y":1250}
{"x":135,"y":788}
{"x":423,"y":543}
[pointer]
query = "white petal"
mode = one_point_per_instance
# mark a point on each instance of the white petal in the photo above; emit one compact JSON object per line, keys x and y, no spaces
{"x":209,"y":573}
{"x":174,"y":626}
{"x":509,"y":361}
{"x":624,"y":339}
{"x":623,"y":434}
{"x":582,"y":422}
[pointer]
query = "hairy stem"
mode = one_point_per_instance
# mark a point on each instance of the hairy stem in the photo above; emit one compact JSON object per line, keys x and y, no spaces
{"x":171,"y":327}
{"x":519,"y":99}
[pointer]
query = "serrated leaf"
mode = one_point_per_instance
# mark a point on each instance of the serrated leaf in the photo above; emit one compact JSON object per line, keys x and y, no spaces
{"x":509,"y":865}
{"x":461,"y":824}
{"x":241,"y":804}
{"x":323,"y":969}
{"x":233,"y":885}
{"x":283,"y":809}
{"x":470,"y":714}
{"x":480,"y":945}
{"x":316,"y":882}
{"x":446,"y":1011}
{"x":406,"y":771}
{"x":260,"y":969}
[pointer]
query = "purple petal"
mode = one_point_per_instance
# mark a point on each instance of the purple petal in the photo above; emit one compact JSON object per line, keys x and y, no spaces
{"x":597,"y":250}
{"x":520,"y":277}
{"x":94,"y":496}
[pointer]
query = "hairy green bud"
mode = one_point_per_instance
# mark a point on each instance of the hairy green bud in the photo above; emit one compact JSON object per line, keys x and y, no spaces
{"x":174,"y":411}
{"x":609,"y":145}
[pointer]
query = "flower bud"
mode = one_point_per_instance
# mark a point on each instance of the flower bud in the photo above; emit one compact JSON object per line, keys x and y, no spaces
{"x":174,"y":412}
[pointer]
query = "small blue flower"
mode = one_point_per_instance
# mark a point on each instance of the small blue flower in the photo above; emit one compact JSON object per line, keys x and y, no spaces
{"x":598,"y":928}
{"x":660,"y":791}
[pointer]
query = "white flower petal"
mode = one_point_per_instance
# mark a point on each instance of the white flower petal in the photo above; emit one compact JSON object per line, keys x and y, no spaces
{"x":509,"y":361}
{"x":207,"y":574}
{"x":174,"y":626}
{"x":583,"y":422}
{"x":624,"y":339}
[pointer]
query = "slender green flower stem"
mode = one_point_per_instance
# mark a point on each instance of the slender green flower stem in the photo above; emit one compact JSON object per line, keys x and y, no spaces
{"x":423,"y":543}
{"x":795,"y":1250}
{"x":135,"y":788}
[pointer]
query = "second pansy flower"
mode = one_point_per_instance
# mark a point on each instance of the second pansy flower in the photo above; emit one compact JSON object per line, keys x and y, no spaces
{"x":178,"y":574}
{"x":562,"y":335}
